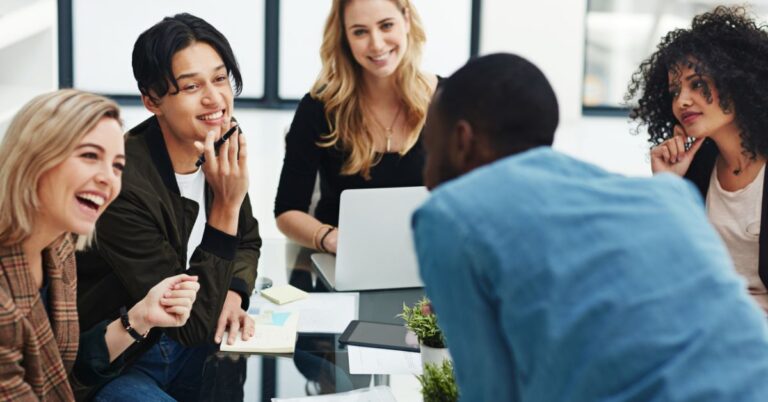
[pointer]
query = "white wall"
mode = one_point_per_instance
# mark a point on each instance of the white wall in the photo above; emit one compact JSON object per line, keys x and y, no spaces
{"x":551,"y":34}
{"x":548,"y":32}
{"x":102,"y":44}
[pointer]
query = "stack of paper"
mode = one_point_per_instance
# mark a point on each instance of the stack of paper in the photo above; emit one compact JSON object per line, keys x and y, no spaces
{"x":274,"y":333}
{"x":321,"y":313}
{"x":364,"y":360}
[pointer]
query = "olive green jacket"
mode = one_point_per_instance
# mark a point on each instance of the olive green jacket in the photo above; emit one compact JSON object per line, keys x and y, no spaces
{"x":142,"y":239}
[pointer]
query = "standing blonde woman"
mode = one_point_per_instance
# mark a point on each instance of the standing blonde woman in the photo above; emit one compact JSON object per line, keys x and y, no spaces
{"x":360,"y":125}
{"x":63,"y":155}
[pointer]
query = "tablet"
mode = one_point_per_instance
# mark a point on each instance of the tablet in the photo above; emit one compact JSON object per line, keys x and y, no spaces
{"x":377,"y":335}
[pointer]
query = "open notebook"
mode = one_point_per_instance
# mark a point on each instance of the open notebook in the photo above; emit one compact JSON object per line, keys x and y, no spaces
{"x":274,"y":333}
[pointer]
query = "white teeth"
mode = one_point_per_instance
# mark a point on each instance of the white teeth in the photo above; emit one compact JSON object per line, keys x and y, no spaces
{"x":99,"y":201}
{"x":380,"y":57}
{"x":212,"y":116}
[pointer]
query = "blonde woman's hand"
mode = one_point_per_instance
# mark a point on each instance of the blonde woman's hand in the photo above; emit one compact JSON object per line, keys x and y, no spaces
{"x":671,"y":156}
{"x":167,"y":304}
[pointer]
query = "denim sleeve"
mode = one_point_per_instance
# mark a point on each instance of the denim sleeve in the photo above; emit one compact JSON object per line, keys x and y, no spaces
{"x":466,"y":311}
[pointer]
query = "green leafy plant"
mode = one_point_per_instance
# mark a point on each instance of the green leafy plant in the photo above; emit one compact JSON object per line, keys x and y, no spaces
{"x":423,"y":322}
{"x":438,"y":383}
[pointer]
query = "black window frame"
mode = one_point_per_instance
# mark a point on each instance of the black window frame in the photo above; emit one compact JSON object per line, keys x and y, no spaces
{"x":271,"y":98}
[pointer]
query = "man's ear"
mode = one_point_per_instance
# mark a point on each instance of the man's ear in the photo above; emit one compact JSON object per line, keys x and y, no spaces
{"x":472,"y":148}
{"x":464,"y":145}
{"x":150,"y":105}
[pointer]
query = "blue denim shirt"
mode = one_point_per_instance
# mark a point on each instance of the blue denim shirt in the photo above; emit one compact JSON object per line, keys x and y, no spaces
{"x":554,"y":280}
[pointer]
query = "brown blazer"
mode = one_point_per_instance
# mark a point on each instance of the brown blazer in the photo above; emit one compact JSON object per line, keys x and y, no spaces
{"x":37,"y":353}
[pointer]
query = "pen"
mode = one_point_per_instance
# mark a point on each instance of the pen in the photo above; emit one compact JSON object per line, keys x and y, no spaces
{"x":219,"y":142}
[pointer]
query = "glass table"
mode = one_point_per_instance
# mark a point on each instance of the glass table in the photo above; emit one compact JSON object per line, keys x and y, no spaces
{"x":319,"y":364}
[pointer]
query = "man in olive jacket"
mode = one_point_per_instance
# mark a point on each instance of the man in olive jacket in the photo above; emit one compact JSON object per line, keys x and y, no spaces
{"x":173,"y":216}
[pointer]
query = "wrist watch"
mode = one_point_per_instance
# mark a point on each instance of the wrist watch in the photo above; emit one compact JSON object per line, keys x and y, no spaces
{"x":127,"y":325}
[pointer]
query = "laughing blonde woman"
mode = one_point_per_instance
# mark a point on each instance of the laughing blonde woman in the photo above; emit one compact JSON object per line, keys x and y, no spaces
{"x":62,"y":159}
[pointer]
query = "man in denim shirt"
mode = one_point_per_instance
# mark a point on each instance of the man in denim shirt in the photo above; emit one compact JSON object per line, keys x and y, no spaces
{"x":555,"y":280}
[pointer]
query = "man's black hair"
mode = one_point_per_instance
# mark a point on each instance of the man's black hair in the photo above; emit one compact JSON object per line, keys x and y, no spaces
{"x":154,"y":50}
{"x":503,"y":97}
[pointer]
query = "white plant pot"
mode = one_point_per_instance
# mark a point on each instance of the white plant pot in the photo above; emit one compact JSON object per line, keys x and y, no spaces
{"x":434,"y":355}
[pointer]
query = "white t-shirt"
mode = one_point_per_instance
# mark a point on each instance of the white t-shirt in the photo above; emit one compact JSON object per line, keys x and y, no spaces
{"x":736,"y":216}
{"x":192,"y":186}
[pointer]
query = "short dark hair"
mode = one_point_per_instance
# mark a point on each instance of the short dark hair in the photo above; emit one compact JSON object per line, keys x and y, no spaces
{"x":154,"y":50}
{"x":504,"y":97}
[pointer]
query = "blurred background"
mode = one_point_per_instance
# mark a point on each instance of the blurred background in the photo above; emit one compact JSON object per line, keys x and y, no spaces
{"x":587,"y":49}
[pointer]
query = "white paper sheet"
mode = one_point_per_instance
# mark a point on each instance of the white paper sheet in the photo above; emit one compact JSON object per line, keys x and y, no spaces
{"x":380,"y":393}
{"x":364,"y":360}
{"x":322,"y":313}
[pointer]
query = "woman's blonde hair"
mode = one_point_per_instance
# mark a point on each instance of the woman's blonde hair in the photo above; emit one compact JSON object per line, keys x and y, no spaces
{"x":43,"y":134}
{"x":339,"y":83}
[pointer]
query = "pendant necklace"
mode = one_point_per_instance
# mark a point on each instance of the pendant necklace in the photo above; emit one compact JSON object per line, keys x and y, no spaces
{"x":389,"y":130}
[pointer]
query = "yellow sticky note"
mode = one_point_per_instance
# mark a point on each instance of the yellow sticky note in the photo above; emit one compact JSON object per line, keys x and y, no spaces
{"x":283,"y":294}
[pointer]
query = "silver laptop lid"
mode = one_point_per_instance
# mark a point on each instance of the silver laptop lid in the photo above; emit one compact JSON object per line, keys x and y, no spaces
{"x":326,"y":265}
{"x":375,"y":246}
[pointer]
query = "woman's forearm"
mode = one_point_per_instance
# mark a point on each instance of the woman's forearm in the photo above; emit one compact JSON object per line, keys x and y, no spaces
{"x":116,"y":336}
{"x":299,"y":226}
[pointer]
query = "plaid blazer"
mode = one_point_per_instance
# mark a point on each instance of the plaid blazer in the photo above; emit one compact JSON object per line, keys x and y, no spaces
{"x":37,"y":353}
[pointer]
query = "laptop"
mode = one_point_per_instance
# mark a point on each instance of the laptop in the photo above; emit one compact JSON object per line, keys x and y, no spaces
{"x":375,"y":246}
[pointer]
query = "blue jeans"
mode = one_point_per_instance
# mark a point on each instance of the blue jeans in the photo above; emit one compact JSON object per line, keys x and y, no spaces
{"x":168,"y":371}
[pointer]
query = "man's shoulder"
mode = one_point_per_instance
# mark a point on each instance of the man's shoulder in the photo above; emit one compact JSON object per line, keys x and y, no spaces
{"x":538,"y":166}
{"x":139,"y":163}
{"x":546,"y":185}
{"x":537,"y":170}
{"x":136,"y":136}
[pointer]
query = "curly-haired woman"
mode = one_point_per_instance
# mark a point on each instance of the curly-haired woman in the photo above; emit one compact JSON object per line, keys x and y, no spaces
{"x":702,"y":97}
{"x":360,"y":125}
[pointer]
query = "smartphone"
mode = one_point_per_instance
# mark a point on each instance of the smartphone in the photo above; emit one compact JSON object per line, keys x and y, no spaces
{"x":377,"y":335}
{"x":220,"y":141}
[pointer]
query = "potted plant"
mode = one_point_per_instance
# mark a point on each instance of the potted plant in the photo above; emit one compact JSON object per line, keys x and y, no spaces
{"x":438,"y":383}
{"x":423,"y":322}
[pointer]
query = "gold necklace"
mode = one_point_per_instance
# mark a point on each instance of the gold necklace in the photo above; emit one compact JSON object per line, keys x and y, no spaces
{"x":388,"y":131}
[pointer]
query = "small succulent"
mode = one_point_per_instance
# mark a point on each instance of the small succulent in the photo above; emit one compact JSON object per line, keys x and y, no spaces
{"x":423,"y":322}
{"x":438,"y":383}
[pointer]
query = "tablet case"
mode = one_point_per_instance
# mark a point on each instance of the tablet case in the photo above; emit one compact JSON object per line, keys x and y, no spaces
{"x":397,"y":343}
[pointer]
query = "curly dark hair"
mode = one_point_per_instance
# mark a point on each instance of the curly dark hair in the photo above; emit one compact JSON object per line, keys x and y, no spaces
{"x":725,"y":45}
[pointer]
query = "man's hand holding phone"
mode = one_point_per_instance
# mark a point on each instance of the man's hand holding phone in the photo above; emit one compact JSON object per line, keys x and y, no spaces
{"x":672,"y":155}
{"x":227,"y":174}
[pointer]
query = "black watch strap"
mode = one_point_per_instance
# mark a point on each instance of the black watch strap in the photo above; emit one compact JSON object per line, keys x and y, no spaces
{"x":127,"y":325}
